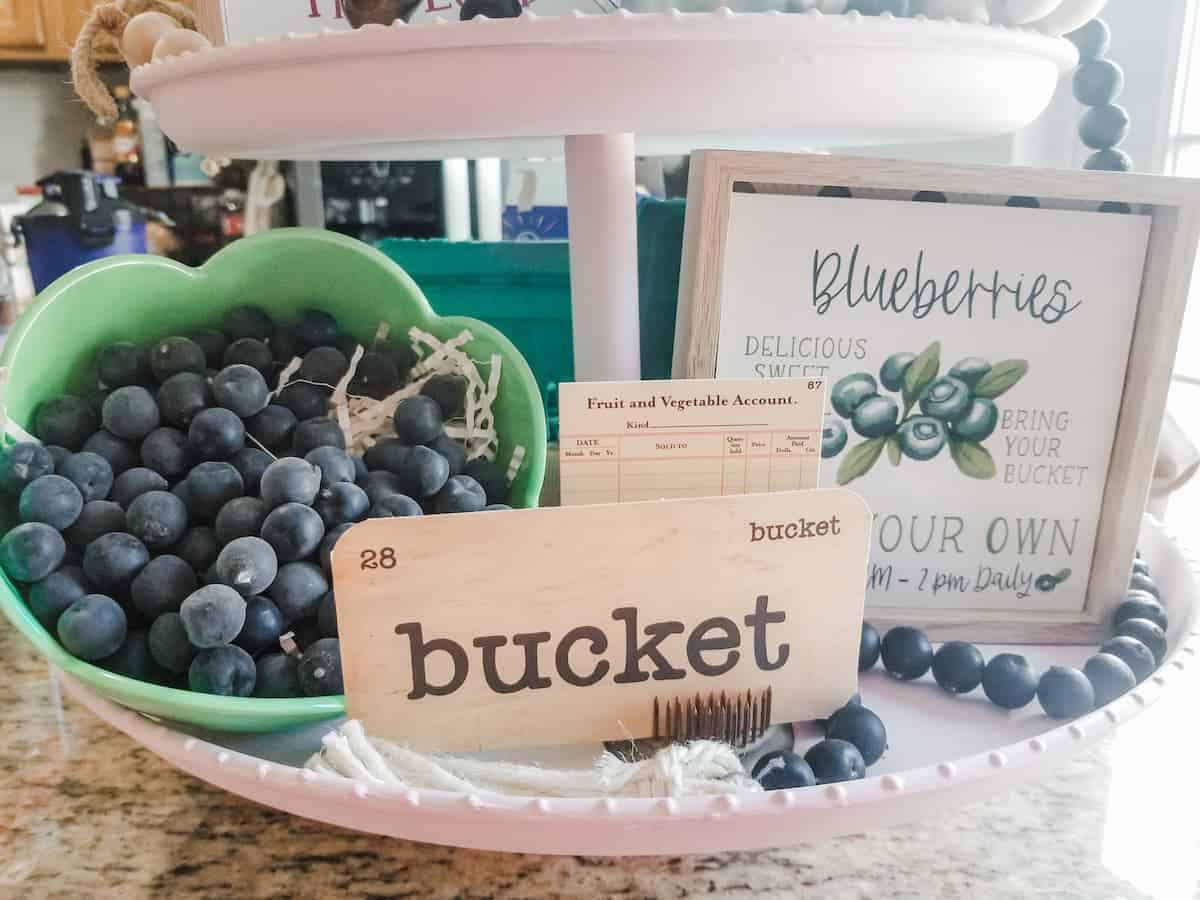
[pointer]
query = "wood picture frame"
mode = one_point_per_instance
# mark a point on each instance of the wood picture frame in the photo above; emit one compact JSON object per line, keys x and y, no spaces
{"x":1172,"y":206}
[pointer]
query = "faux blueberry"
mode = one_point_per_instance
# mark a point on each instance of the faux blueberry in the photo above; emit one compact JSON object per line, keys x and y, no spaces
{"x":783,"y":770}
{"x":1104,"y":127}
{"x":1110,"y":677}
{"x":906,"y":652}
{"x":210,"y":486}
{"x":306,"y":401}
{"x":134,"y":660}
{"x":833,"y":438}
{"x":424,"y":473}
{"x":112,"y":561}
{"x":121,"y":455}
{"x":173,"y":355}
{"x":290,"y":480}
{"x":849,"y":392}
{"x":248,"y":321}
{"x":249,"y":352}
{"x":263,"y":628}
{"x":868,"y":647}
{"x":316,"y":328}
{"x":130,"y":412}
{"x":391,"y":506}
{"x":376,"y":377}
{"x":251,"y":463}
{"x":31,"y":551}
{"x":1097,"y":82}
{"x":273,"y":427}
{"x":452,"y":451}
{"x":132,"y":483}
{"x":58,"y":455}
{"x":248,"y":565}
{"x":380,"y":484}
{"x":158,"y":519}
{"x":876,"y":417}
{"x":240,"y":517}
{"x":23,"y":463}
{"x":298,"y":589}
{"x":169,"y":644}
{"x":832,"y":761}
{"x":1091,"y":39}
{"x":1140,"y":605}
{"x":389,"y":455}
{"x":242,"y":390}
{"x":54,"y":593}
{"x":1140,"y":565}
{"x":1010,"y":681}
{"x":166,"y":451}
{"x":212,"y":342}
{"x":181,"y":397}
{"x":449,"y":392}
{"x":326,"y":550}
{"x":323,"y":365}
{"x":491,"y":478}
{"x":859,"y":726}
{"x":342,"y":503}
{"x":213,"y":615}
{"x":216,"y":433}
{"x":199,"y":548}
{"x":418,"y":420}
{"x":460,"y":494}
{"x":294,"y":530}
{"x":162,"y":586}
{"x":1148,"y":633}
{"x":319,"y":432}
{"x":277,"y":676}
{"x":121,"y":364}
{"x":399,"y":353}
{"x":1134,"y":653}
{"x":67,"y":421}
{"x":97,"y":518}
{"x":947,"y":398}
{"x":958,"y":667}
{"x":891,"y":373}
{"x":1065,"y":693}
{"x":226,"y":671}
{"x":51,"y":499}
{"x":320,"y":669}
{"x":978,"y":423}
{"x":922,"y":437}
{"x":92,"y":627}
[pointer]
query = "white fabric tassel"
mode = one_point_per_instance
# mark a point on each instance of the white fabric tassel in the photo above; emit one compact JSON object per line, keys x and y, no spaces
{"x":680,"y":770}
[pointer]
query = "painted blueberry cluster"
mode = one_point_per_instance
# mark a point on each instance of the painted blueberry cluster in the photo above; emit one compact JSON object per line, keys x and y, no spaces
{"x":933,"y":412}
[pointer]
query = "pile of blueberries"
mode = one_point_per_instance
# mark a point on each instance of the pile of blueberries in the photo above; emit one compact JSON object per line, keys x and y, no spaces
{"x":856,"y":737}
{"x":176,"y":527}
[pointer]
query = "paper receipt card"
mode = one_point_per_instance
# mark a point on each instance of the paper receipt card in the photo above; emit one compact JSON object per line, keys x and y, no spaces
{"x":652,"y":440}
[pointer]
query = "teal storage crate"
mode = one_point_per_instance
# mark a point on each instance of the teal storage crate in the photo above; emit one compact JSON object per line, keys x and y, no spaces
{"x":524,"y":290}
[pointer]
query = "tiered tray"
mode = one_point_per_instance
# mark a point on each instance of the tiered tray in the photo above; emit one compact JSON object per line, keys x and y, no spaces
{"x":943,"y":751}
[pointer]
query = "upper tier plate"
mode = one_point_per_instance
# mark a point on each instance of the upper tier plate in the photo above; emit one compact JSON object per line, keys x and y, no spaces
{"x":678,"y":81}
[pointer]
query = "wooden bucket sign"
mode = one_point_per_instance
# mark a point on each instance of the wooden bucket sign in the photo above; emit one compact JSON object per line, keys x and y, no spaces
{"x":556,"y":626}
{"x":998,"y":362}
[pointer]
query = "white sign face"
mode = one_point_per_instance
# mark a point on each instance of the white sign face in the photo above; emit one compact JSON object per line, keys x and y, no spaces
{"x":976,"y":359}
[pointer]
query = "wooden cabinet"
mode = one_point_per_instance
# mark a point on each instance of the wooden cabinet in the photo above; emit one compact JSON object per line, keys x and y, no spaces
{"x":22,"y":27}
{"x":45,"y":30}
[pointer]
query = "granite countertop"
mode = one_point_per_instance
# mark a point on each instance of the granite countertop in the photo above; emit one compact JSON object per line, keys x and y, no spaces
{"x":87,"y":812}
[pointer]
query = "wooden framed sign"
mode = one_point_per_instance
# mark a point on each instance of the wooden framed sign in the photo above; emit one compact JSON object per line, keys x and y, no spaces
{"x":564,"y":625}
{"x":998,"y":344}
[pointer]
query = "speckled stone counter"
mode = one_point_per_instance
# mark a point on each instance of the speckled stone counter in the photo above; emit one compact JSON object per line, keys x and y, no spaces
{"x":87,"y":813}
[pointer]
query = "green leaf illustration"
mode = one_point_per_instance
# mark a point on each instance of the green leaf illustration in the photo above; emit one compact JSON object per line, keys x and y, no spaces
{"x":1062,"y":576}
{"x":1003,"y":376}
{"x":893,"y":448}
{"x":920,"y":373}
{"x":858,"y":462}
{"x":973,"y":459}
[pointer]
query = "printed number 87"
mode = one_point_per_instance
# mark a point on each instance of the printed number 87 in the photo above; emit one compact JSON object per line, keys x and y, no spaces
{"x":381,"y":559}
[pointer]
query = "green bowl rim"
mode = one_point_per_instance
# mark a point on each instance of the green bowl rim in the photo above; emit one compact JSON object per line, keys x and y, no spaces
{"x":289,"y":710}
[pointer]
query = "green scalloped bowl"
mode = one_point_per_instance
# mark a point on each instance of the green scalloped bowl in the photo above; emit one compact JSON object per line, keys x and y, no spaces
{"x":139,"y":298}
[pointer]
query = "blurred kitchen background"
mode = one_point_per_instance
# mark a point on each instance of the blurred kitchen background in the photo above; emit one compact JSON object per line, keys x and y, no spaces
{"x":85,"y":190}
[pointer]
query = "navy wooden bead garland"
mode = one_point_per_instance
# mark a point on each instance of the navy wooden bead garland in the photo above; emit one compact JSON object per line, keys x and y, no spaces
{"x":1097,"y":84}
{"x":1063,"y":692}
